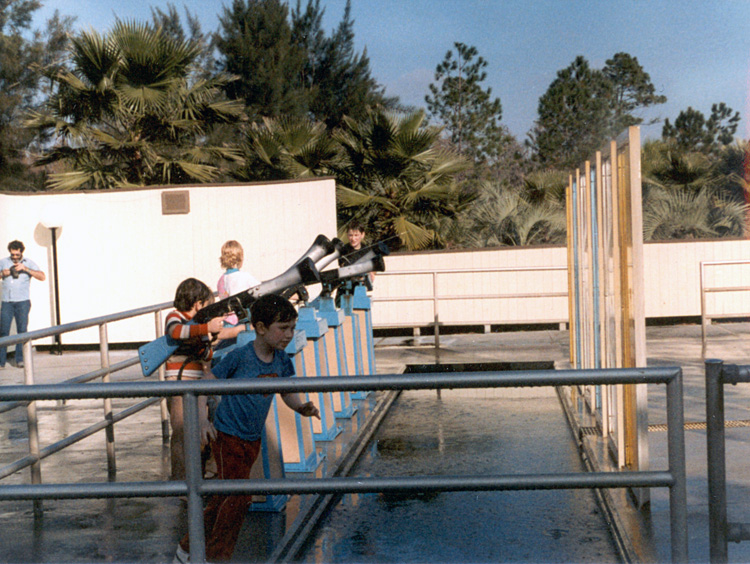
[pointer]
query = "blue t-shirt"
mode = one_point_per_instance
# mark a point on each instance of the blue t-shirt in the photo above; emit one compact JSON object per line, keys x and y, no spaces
{"x":17,"y":289}
{"x":244,"y":415}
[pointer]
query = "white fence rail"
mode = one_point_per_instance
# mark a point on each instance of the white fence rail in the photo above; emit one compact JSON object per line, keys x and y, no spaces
{"x":440,"y":289}
{"x":513,"y":285}
{"x":724,"y":291}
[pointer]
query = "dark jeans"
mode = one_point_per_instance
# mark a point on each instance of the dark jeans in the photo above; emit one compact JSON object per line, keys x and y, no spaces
{"x":9,"y":310}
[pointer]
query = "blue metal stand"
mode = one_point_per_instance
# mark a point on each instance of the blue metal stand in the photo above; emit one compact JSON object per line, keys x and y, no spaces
{"x":326,"y":307}
{"x":309,"y":458}
{"x":359,"y":344}
{"x":269,"y":460}
{"x":362,"y":302}
{"x":315,"y":328}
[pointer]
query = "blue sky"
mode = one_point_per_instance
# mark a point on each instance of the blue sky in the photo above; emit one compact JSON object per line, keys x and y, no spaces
{"x":696,"y":51}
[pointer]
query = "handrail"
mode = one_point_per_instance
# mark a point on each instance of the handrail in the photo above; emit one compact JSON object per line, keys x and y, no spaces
{"x":195,"y":487}
{"x":436,"y":298}
{"x":720,"y":530}
{"x":85,"y":324}
{"x":109,"y":418}
{"x":705,"y":318}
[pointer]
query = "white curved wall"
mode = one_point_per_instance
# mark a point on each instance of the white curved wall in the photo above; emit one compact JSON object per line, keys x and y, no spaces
{"x":117,"y":251}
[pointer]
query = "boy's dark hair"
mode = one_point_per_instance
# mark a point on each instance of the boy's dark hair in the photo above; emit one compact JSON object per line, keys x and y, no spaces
{"x":271,"y":308}
{"x":355,"y":226}
{"x":189,"y":292}
{"x":16,"y":246}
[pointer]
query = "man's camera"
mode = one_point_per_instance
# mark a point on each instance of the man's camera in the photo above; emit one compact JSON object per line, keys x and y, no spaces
{"x":14,"y":271}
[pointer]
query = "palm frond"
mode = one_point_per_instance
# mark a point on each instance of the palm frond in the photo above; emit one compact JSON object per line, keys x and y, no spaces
{"x":412,"y":236}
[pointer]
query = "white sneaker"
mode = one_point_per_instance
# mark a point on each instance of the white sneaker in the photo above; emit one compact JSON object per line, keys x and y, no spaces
{"x":181,"y":556}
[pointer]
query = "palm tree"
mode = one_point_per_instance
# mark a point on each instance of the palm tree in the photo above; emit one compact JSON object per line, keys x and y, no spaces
{"x":506,"y":216}
{"x":287,"y":148}
{"x":127,"y":113}
{"x":671,"y":214}
{"x":393,"y":179}
{"x":689,"y":194}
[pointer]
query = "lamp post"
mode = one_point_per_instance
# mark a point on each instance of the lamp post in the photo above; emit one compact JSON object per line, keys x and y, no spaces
{"x":52,"y":221}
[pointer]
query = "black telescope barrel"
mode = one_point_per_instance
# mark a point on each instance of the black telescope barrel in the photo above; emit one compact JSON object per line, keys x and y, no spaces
{"x":321,"y":247}
{"x":337,"y":246}
{"x":303,"y":272}
{"x":359,"y":268}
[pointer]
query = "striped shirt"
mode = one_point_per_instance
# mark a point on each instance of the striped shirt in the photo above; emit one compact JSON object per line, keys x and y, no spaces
{"x":196,"y":344}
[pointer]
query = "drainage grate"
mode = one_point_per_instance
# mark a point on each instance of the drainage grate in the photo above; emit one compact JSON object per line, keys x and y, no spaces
{"x":692,"y":425}
{"x":589,"y":430}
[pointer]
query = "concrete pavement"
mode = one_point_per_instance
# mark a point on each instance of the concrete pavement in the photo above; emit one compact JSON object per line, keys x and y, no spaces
{"x":139,"y":530}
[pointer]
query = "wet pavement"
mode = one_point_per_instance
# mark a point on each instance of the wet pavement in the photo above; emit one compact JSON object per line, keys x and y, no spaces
{"x":454,"y":436}
{"x":146,"y":530}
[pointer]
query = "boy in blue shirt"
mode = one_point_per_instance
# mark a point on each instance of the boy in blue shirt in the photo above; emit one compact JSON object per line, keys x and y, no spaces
{"x":240,"y":419}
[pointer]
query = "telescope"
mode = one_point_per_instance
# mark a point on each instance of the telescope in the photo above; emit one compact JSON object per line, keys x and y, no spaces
{"x":365,"y":265}
{"x":305,"y":271}
{"x":371,"y":261}
{"x":155,"y":353}
{"x":302,"y":272}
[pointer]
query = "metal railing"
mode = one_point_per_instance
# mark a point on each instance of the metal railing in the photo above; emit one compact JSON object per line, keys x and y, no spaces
{"x":436,"y":297}
{"x":706,"y":317}
{"x":195,"y":486}
{"x":720,"y":530}
{"x":36,"y":452}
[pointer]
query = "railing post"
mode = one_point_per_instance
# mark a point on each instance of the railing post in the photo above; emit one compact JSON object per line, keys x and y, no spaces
{"x":194,"y":478}
{"x":110,"y":429}
{"x":159,"y":330}
{"x":436,"y":311}
{"x":717,"y":474}
{"x":676,"y":455}
{"x":703,"y":309}
{"x":33,"y":426}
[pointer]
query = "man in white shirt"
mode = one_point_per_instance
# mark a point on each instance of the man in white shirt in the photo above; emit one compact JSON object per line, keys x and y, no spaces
{"x":16,"y":272}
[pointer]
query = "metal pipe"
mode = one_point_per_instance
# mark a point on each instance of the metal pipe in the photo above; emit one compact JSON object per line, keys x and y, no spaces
{"x":84,"y":324}
{"x":58,"y":338}
{"x":490,"y":379}
{"x":8,"y":406}
{"x":676,"y":455}
{"x":437,"y":318}
{"x":196,"y":488}
{"x":163,"y":409}
{"x":717,"y":474}
{"x":32,"y":424}
{"x":110,"y":429}
{"x":703,"y":309}
{"x":49,"y":450}
{"x":194,"y":478}
{"x":336,"y":485}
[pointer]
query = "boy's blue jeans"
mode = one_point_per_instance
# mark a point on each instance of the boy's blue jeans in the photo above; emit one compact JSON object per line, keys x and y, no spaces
{"x":8,"y":311}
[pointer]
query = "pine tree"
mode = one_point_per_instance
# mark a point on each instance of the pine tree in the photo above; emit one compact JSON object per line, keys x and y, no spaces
{"x":583,"y":107}
{"x":574,"y":116}
{"x":25,"y":59}
{"x":632,"y":90}
{"x":337,"y":78}
{"x":171,"y":24}
{"x":693,"y":132}
{"x":466,"y":110}
{"x":255,"y":43}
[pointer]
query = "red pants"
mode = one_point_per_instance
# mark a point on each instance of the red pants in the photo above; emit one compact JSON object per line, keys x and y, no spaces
{"x":224,"y":515}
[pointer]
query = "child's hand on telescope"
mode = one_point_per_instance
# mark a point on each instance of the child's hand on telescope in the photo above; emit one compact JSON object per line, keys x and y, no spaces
{"x":216,"y":324}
